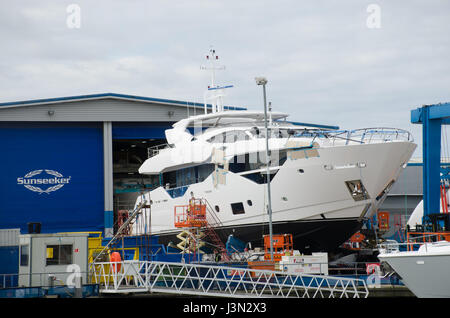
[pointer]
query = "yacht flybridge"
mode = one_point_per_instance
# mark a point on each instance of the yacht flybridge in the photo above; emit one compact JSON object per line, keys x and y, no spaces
{"x":324,"y":182}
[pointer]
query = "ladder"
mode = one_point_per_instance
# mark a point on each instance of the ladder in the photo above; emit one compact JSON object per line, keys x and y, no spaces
{"x":214,"y":222}
{"x":123,"y":227}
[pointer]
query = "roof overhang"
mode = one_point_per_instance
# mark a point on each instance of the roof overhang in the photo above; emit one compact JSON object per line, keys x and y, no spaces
{"x":69,"y":99}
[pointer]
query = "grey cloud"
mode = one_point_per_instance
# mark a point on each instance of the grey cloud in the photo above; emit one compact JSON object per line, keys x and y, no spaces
{"x":323,"y":64}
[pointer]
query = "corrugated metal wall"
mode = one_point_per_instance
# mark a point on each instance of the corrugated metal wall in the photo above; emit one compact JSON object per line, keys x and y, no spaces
{"x":53,"y":174}
{"x":9,"y":237}
{"x":9,"y":257}
{"x":96,"y":110}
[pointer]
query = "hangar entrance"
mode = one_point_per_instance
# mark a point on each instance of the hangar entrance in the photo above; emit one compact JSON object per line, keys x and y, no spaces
{"x":128,"y":156}
{"x":132,"y":145}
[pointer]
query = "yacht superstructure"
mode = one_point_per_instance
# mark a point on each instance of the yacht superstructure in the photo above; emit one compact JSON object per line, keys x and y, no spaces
{"x":324,"y":182}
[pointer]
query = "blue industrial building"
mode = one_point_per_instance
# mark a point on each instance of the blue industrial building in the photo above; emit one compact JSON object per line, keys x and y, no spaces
{"x":69,"y":162}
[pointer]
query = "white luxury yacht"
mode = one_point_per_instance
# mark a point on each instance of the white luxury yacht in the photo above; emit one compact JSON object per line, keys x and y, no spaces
{"x":423,"y":271}
{"x":324,"y":182}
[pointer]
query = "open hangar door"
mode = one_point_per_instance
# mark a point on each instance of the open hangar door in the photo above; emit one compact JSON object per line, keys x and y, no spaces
{"x":133,"y":143}
{"x":53,"y":175}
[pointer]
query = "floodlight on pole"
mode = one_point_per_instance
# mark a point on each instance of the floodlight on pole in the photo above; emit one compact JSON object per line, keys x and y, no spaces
{"x":263,"y":81}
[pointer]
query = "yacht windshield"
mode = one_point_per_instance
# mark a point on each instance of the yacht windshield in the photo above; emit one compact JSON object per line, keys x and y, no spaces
{"x":260,"y":132}
{"x":230,"y":137}
{"x":273,"y":132}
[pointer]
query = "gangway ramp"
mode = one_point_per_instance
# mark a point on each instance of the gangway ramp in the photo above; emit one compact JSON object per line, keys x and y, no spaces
{"x":219,"y":281}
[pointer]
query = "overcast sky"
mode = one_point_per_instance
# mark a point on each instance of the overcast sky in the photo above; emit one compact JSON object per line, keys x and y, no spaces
{"x":331,"y":62}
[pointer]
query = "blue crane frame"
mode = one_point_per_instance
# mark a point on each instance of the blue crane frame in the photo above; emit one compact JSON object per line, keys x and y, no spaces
{"x":432,"y":117}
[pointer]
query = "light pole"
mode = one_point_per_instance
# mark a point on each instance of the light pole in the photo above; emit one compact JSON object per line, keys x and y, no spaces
{"x":263,"y":81}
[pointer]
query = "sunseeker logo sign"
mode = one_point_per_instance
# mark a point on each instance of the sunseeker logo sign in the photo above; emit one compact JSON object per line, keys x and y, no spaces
{"x":43,"y":181}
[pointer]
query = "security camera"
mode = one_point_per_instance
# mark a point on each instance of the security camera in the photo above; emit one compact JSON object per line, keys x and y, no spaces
{"x":261,"y":80}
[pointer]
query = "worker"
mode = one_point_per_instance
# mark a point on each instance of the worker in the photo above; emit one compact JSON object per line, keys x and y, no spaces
{"x":216,"y":256}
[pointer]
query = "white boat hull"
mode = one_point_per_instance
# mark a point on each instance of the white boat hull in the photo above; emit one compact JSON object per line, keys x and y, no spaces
{"x":424,"y":273}
{"x":309,"y":201}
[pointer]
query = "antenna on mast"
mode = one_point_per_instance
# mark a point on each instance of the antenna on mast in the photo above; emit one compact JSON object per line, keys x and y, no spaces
{"x":215,"y":93}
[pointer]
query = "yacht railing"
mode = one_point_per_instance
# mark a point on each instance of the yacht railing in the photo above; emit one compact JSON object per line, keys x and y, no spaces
{"x":388,"y":248}
{"x":413,"y":243}
{"x":365,"y":135}
{"x":154,"y":150}
{"x":359,"y":136}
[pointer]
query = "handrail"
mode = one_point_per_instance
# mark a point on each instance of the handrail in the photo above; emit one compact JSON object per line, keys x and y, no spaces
{"x":220,"y":281}
{"x":154,"y":150}
{"x":366,"y":135}
{"x":413,"y":242}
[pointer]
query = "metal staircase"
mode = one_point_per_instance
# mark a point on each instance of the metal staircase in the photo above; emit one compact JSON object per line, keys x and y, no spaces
{"x":124,"y":227}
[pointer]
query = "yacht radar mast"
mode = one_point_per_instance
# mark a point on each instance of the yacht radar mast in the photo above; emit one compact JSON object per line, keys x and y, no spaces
{"x":214,"y":93}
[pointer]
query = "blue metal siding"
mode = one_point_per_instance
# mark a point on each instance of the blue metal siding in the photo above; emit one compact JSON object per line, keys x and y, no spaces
{"x":140,"y":130}
{"x":62,"y":165}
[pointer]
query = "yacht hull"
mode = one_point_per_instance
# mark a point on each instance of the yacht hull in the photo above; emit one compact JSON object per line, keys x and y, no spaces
{"x":309,"y":236}
{"x":312,"y":197}
{"x":425,"y":275}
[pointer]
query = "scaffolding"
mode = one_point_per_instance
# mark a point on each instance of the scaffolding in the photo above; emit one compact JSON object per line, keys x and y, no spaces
{"x":198,"y":221}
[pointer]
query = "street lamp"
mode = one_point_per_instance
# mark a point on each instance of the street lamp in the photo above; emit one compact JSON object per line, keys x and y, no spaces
{"x":263,"y":81}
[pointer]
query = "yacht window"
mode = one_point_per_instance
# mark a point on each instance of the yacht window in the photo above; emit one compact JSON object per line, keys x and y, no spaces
{"x":273,"y":133}
{"x":255,"y":131}
{"x":186,"y":176}
{"x":357,"y":190}
{"x":249,"y":202}
{"x":262,"y":133}
{"x":255,"y":161}
{"x":204,"y":171}
{"x":236,"y":135}
{"x":217,"y":139}
{"x":259,"y":177}
{"x":278,"y":133}
{"x":217,"y":208}
{"x":237,"y":208}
